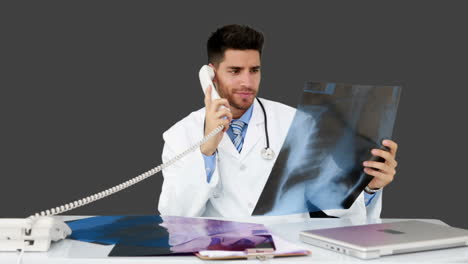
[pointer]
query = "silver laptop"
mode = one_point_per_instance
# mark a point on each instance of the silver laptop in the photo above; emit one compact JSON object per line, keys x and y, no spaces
{"x":375,"y":240}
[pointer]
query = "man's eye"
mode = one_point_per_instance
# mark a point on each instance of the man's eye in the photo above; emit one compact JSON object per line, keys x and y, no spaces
{"x":255,"y":70}
{"x":234,"y":71}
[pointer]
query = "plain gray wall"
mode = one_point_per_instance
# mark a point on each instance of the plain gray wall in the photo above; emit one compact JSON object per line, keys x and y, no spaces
{"x":88,"y":87}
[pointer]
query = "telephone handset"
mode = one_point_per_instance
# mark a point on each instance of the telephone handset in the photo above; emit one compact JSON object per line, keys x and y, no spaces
{"x":36,"y":232}
{"x":206,"y":76}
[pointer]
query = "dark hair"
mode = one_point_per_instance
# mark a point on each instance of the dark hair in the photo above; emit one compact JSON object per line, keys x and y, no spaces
{"x":238,"y":37}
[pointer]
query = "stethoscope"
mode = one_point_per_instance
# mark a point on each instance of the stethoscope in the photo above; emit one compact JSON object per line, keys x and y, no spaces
{"x":267,"y":153}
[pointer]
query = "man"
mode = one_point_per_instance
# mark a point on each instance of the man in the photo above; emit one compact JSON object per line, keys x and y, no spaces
{"x":227,"y":174}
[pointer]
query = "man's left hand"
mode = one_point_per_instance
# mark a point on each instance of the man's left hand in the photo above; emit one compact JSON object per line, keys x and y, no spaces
{"x":383,"y":172}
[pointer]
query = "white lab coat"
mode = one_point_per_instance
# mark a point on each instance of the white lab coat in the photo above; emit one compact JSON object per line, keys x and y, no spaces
{"x":239,"y":178}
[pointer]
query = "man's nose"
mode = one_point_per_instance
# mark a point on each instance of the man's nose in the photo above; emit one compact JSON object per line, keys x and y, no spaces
{"x":246,"y":80}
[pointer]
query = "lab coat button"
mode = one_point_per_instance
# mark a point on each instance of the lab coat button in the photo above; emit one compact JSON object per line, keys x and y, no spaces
{"x":216,"y":195}
{"x":243,"y":167}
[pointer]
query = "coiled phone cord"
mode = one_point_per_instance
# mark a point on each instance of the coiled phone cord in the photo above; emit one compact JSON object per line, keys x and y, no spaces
{"x":126,"y":184}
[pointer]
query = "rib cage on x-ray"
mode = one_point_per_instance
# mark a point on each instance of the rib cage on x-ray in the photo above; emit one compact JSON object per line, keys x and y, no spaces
{"x":320,"y":164}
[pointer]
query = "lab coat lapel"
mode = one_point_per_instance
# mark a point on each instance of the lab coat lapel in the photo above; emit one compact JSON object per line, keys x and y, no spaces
{"x":227,"y":146}
{"x":254,"y":130}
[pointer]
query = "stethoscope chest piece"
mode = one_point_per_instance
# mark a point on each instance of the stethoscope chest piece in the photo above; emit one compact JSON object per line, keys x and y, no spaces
{"x":268,"y":153}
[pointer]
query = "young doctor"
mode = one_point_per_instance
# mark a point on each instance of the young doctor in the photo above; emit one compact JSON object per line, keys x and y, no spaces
{"x":226,"y":176}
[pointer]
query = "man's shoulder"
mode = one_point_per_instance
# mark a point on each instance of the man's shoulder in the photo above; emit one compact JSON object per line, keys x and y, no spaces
{"x":278,"y":108}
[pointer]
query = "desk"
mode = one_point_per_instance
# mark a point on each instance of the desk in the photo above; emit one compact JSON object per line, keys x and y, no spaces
{"x":71,"y":251}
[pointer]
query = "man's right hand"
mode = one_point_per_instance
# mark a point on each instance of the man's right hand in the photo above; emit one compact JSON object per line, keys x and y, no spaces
{"x":214,"y":117}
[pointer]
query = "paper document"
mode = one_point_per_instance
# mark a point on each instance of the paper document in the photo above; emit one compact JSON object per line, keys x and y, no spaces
{"x":283,"y":248}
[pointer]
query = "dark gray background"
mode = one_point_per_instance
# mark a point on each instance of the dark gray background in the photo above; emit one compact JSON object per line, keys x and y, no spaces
{"x":88,"y":87}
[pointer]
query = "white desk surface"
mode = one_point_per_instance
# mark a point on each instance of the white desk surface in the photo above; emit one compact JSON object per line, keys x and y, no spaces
{"x":71,"y":251}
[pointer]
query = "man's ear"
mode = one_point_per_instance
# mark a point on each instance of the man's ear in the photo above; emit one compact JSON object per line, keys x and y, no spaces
{"x":212,"y":66}
{"x":215,"y":79}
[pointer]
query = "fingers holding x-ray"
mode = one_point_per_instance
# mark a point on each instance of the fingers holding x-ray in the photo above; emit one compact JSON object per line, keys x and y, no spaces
{"x":383,"y":167}
{"x":384,"y":172}
{"x":381,"y":178}
{"x":392,"y":145}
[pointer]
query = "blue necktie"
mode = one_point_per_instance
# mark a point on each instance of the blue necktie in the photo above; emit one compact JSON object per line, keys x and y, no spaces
{"x":238,"y":140}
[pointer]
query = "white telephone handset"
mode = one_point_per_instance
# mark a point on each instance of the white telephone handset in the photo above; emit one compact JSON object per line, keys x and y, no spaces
{"x":206,"y":76}
{"x":36,"y":232}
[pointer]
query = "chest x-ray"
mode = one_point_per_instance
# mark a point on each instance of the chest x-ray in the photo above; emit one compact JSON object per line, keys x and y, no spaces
{"x":320,"y":164}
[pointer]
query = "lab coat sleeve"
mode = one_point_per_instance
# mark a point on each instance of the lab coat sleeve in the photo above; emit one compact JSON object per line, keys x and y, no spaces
{"x":185,"y":190}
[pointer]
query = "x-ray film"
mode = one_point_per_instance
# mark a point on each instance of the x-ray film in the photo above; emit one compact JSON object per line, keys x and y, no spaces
{"x":152,"y":235}
{"x":320,"y":164}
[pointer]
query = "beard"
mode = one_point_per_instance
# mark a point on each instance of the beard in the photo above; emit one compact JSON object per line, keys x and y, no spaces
{"x":240,"y":102}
